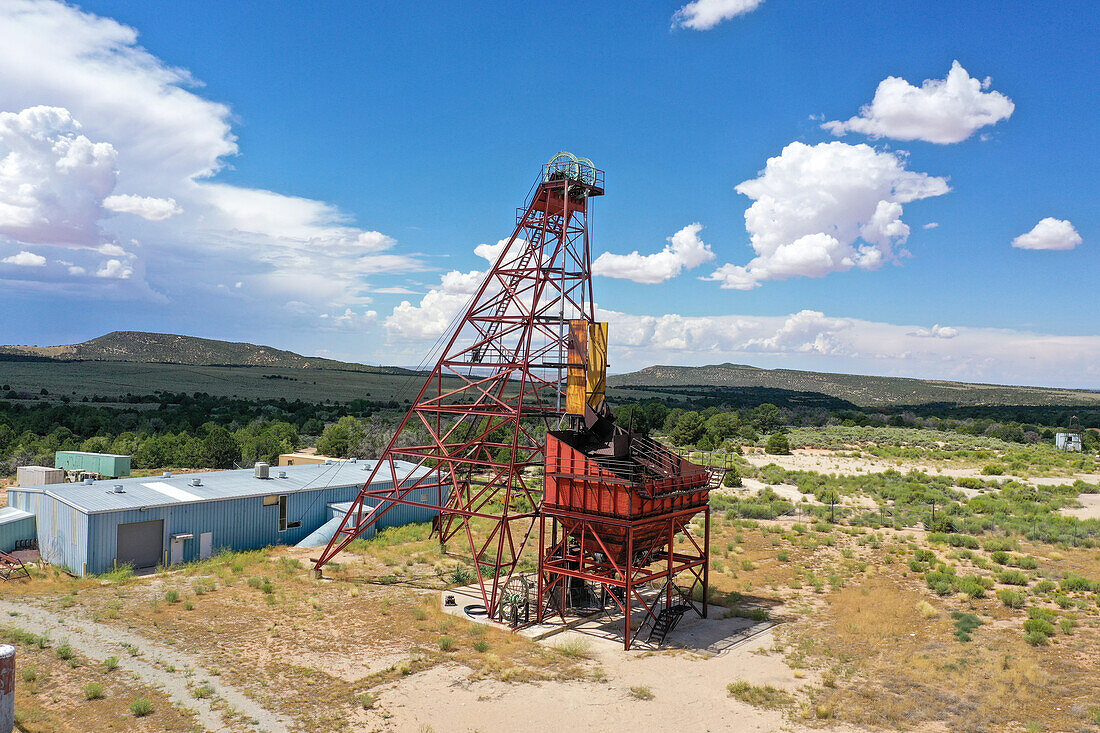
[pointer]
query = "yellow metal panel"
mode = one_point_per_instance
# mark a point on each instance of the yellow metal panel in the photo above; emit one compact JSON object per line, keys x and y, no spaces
{"x":575,"y":390}
{"x":597,"y":364}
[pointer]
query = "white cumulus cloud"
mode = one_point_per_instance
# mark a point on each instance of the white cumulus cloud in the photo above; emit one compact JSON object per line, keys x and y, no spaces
{"x":826,"y":208}
{"x":943,"y":111}
{"x":435,"y":311}
{"x":117,"y":117}
{"x":25,"y":259}
{"x":1049,"y":233}
{"x":114,"y":270}
{"x":702,"y":15}
{"x":684,"y":251}
{"x":937,"y":331}
{"x":52,"y":178}
{"x":147,"y":207}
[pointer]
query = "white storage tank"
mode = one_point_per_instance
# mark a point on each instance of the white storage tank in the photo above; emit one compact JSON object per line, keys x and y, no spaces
{"x":39,"y":475}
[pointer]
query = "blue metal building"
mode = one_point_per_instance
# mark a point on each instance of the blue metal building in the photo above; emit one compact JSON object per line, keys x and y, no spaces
{"x":15,"y":525}
{"x":163,"y":520}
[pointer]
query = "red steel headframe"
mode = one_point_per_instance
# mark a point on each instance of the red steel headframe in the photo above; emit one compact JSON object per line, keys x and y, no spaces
{"x":496,"y":388}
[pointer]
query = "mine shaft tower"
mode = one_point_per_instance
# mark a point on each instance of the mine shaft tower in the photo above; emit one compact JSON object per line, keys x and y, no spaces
{"x":519,"y":386}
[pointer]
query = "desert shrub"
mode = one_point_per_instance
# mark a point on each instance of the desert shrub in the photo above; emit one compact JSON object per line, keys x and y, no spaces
{"x":1035,"y":638}
{"x":1011,"y":577}
{"x":783,"y":556}
{"x":141,"y":707}
{"x":1062,"y":600}
{"x":93,"y":691}
{"x":1011,"y":598}
{"x":1000,"y":557}
{"x":461,"y":575}
{"x":1023,"y":561}
{"x":965,"y":623}
{"x":761,"y":696}
{"x":1067,"y":624}
{"x":1044,"y":586}
{"x":927,"y":610}
{"x":110,"y":663}
{"x":732,"y":478}
{"x":924,"y":555}
{"x":446,"y":643}
{"x":1003,"y":544}
{"x":641,"y":693}
{"x":30,"y":674}
{"x":962,"y":540}
{"x":481,"y":646}
{"x":65,"y":652}
{"x":972,"y":588}
{"x":574,"y":648}
{"x":777,"y":445}
{"x":202,"y":691}
{"x":172,"y":596}
{"x":1073,"y":582}
{"x":941,"y":582}
{"x":1040,"y":625}
{"x":917,"y":566}
{"x":993,"y":469}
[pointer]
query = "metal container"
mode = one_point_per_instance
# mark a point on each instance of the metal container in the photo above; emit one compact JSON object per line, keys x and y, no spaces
{"x":38,"y":475}
{"x":105,"y":464}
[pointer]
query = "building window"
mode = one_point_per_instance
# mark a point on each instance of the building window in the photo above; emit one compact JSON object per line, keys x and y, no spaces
{"x":282,"y":512}
{"x":271,"y":500}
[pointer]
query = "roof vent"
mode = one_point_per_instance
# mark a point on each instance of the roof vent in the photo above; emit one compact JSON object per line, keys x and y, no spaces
{"x":118,"y":489}
{"x":89,"y":481}
{"x":166,"y":474}
{"x":282,"y":474}
{"x":328,"y":462}
{"x":354,"y":460}
{"x":196,"y":482}
{"x":262,"y":470}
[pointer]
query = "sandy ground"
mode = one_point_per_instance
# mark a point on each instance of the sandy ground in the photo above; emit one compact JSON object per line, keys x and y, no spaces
{"x":1090,"y":510}
{"x":689,"y":690}
{"x":808,"y":459}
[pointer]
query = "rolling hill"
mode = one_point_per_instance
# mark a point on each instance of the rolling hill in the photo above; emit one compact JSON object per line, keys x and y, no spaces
{"x":137,"y":362}
{"x":859,"y":390}
{"x":166,"y":348}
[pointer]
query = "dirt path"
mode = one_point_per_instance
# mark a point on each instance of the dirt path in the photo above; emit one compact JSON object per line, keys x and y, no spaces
{"x":152,"y":665}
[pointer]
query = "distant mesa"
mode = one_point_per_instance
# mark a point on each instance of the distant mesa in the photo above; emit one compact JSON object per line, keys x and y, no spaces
{"x":168,"y":348}
{"x":863,"y":391}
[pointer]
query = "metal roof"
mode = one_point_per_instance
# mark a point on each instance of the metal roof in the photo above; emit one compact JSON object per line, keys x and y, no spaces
{"x":10,"y":514}
{"x":156,"y":491}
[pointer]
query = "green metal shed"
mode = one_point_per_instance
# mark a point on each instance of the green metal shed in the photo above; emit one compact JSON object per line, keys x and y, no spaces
{"x":104,"y":464}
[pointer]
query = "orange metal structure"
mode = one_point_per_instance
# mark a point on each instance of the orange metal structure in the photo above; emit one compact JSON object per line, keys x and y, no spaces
{"x":614,"y":509}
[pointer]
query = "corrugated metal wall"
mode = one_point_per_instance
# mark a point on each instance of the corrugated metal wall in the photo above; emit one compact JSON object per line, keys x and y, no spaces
{"x":62,"y":530}
{"x":87,"y":543}
{"x":237,"y":524}
{"x":12,"y":531}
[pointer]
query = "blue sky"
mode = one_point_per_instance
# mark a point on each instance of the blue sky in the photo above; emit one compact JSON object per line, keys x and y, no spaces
{"x":292,"y":177}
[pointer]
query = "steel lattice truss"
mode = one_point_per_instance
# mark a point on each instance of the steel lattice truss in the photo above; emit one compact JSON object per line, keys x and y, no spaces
{"x":495,"y":390}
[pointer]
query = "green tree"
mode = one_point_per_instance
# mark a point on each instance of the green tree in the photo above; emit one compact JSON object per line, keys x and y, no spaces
{"x":688,"y":429}
{"x":723,"y":426}
{"x":766,"y":418}
{"x":732,"y":477}
{"x":777,"y":445}
{"x":222,"y":449}
{"x":341,"y":438}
